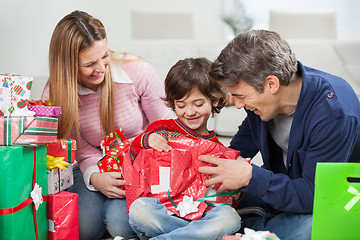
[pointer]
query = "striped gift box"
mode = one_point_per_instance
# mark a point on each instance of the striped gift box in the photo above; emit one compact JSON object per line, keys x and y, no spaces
{"x":27,"y":130}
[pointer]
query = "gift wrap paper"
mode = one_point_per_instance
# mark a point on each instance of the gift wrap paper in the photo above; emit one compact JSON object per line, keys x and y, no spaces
{"x":63,"y":216}
{"x":147,"y":176}
{"x":63,"y":148}
{"x":59,"y":179}
{"x":16,"y":183}
{"x":45,"y":111}
{"x":27,"y":130}
{"x":14,"y":91}
{"x":114,"y":156}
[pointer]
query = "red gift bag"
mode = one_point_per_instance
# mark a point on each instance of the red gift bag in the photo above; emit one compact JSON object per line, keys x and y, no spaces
{"x":114,"y":146}
{"x":170,"y":176}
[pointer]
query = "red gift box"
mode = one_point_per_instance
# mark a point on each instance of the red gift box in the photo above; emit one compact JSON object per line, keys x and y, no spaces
{"x":63,"y":148}
{"x":153,"y":173}
{"x":63,"y":216}
{"x":114,"y":156}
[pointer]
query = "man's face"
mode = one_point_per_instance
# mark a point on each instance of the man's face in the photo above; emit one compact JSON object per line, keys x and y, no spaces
{"x":262,"y":104}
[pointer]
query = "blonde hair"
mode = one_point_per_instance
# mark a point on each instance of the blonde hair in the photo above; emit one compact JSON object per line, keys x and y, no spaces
{"x":74,"y":33}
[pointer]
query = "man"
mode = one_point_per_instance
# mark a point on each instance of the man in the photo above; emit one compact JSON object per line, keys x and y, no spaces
{"x":296,"y":116}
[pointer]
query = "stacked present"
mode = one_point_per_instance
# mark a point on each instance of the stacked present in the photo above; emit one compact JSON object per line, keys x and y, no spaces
{"x":23,"y":186}
{"x":23,"y":180}
{"x":115,"y":146}
{"x":62,"y":206}
{"x":14,"y":91}
{"x":32,"y":203}
{"x":19,"y":125}
{"x":60,"y":158}
{"x":43,"y":108}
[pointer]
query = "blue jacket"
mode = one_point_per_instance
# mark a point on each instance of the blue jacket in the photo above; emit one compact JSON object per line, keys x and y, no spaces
{"x":325,"y":128}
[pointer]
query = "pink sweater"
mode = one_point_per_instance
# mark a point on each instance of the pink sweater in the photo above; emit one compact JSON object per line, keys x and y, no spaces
{"x":137,"y":100}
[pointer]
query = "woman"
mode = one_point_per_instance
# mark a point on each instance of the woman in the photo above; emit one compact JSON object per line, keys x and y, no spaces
{"x":98,"y":91}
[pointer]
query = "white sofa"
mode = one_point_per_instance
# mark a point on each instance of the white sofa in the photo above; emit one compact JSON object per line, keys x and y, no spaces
{"x":337,"y":57}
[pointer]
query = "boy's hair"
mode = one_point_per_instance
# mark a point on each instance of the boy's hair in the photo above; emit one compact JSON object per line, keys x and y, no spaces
{"x":191,"y":73}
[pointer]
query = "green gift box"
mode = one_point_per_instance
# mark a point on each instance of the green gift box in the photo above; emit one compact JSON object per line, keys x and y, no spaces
{"x":336,"y":201}
{"x":16,"y":184}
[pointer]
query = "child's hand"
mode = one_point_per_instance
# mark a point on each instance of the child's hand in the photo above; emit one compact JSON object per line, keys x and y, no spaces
{"x":158,"y":142}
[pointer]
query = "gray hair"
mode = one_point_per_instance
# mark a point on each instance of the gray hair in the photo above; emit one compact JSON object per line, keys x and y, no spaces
{"x":252,"y":56}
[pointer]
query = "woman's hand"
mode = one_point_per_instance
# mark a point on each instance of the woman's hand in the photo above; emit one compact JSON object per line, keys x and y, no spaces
{"x":108,"y":183}
{"x":158,"y":142}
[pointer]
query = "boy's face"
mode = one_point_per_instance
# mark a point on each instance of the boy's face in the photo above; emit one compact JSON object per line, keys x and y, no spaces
{"x":194,"y":110}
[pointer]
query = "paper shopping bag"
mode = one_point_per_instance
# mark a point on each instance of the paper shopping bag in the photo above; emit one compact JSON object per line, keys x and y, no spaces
{"x":336,"y":201}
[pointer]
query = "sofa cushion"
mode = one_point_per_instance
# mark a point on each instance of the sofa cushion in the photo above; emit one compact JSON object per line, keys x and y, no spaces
{"x":322,"y":55}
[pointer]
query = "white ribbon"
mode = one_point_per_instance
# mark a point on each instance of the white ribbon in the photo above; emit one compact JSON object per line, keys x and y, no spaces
{"x":354,"y":200}
{"x":188,"y":205}
{"x":36,"y":196}
{"x":250,"y":234}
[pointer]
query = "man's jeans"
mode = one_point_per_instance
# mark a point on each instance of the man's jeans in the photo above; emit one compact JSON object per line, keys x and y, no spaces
{"x":287,"y":226}
{"x":149,"y":218}
{"x":98,"y":213}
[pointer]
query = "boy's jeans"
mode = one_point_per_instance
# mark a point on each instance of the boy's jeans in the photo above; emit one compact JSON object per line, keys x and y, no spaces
{"x":149,"y":218}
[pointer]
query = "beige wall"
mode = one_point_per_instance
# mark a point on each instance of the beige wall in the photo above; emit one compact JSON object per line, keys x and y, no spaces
{"x":26,"y":26}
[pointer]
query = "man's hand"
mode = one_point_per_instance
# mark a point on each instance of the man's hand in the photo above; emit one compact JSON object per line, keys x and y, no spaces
{"x":158,"y":142}
{"x":233,"y":174}
{"x":108,"y":183}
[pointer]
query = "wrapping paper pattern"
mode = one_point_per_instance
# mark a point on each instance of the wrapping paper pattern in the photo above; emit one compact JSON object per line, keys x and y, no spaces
{"x":59,"y":180}
{"x":45,"y":111}
{"x":27,"y":130}
{"x":63,"y":148}
{"x":114,"y":156}
{"x":109,"y":164}
{"x":63,"y":216}
{"x":144,"y":174}
{"x":14,"y":91}
{"x":16,"y":183}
